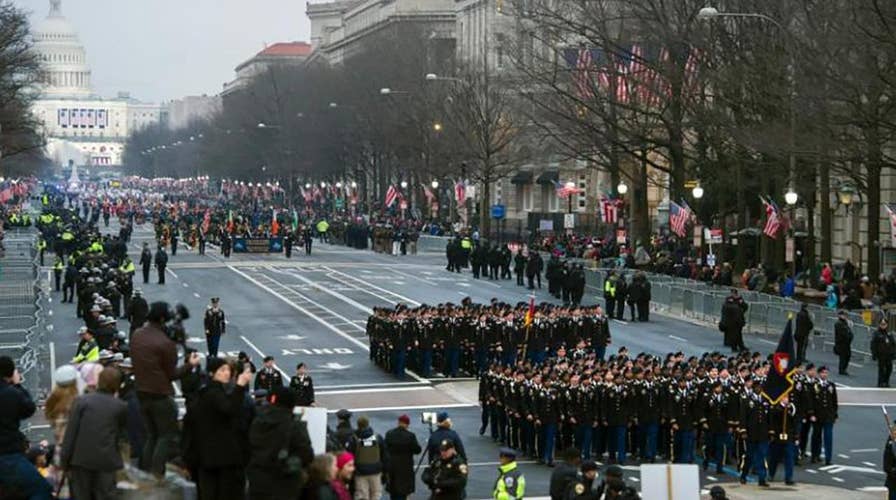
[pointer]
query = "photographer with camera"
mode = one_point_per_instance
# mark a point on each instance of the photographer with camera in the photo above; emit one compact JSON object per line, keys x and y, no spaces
{"x":154,"y":356}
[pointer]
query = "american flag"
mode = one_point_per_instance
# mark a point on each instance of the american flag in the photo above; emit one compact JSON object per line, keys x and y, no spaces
{"x":678,"y":219}
{"x":609,"y":210}
{"x":460,"y":191}
{"x":392,"y":194}
{"x":563,"y":191}
{"x":773,"y":222}
{"x":583,"y":75}
{"x":690,"y":211}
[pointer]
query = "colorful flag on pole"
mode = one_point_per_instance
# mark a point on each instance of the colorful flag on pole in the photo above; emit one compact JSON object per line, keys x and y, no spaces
{"x":609,"y":210}
{"x":275,"y":224}
{"x":460,"y":191}
{"x":530,"y":313}
{"x":780,"y":377}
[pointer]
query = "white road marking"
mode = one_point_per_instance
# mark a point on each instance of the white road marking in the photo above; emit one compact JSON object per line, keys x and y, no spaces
{"x":371,"y":285}
{"x":348,"y":300}
{"x":634,"y":479}
{"x":186,"y":285}
{"x":855,"y":365}
{"x":52,"y":359}
{"x":712,"y":478}
{"x":828,"y":467}
{"x":403,"y":408}
{"x":463,"y":284}
{"x":356,"y":386}
{"x":844,"y":457}
{"x":812,"y":471}
{"x":376,"y":390}
{"x":839,"y":480}
{"x":872,"y":489}
{"x":196,"y":295}
{"x":767,"y":342}
{"x":168,"y":269}
{"x":256,"y":349}
{"x":864,"y":450}
{"x":673,"y":337}
{"x":623,"y":322}
{"x":315,"y":317}
{"x":869,"y":464}
{"x":398,"y":282}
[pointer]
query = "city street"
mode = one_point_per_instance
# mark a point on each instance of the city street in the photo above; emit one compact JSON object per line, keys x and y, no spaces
{"x":313,"y":309}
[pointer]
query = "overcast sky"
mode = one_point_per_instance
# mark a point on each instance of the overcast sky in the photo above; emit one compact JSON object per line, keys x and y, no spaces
{"x":165,"y":49}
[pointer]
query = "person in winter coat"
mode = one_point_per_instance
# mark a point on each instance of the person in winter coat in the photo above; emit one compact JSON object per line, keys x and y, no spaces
{"x":138,"y":309}
{"x":732,"y":322}
{"x":96,"y":428}
{"x":214,"y":432}
{"x":890,"y":462}
{"x":843,"y":341}
{"x":883,"y":348}
{"x":323,"y":481}
{"x":279,"y":449}
{"x":371,"y":459}
{"x":621,"y":296}
{"x":401,"y":446}
{"x":804,"y":327}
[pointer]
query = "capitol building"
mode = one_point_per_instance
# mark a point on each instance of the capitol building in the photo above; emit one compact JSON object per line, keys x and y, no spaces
{"x":80,"y":127}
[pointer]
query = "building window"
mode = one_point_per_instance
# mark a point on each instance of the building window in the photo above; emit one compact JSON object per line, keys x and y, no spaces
{"x":553,"y":199}
{"x":499,"y":50}
{"x":526,"y":197}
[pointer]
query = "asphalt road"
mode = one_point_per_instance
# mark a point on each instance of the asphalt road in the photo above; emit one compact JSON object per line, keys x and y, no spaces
{"x":313,"y":309}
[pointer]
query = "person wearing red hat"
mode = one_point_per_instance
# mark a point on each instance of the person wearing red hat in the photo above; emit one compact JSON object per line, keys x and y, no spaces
{"x":401,"y":446}
{"x":345,"y":471}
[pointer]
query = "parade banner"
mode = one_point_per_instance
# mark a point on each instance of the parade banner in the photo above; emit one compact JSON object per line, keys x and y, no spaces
{"x":258,"y":245}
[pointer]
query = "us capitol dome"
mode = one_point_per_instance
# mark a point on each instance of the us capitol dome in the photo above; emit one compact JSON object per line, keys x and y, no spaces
{"x":64,"y":60}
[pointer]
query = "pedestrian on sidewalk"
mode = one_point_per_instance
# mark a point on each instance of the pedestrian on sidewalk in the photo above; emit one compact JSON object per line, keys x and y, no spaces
{"x":883,"y":348}
{"x":371,"y":460}
{"x":16,"y":473}
{"x":843,"y":337}
{"x":804,"y":327}
{"x":401,"y":446}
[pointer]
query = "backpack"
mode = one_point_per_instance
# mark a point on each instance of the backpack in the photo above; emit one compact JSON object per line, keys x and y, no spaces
{"x":368,"y":450}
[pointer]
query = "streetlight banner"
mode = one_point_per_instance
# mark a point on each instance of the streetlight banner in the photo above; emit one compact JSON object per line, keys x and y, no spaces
{"x":891,"y":209}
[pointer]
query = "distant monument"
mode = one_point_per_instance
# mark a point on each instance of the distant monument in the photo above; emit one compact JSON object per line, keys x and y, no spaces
{"x":74,"y":183}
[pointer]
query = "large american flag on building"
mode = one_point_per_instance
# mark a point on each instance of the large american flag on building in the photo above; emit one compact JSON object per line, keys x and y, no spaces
{"x":891,"y":210}
{"x":678,"y":219}
{"x":609,"y":210}
{"x":773,"y":221}
{"x":392,"y":194}
{"x":634,"y":73}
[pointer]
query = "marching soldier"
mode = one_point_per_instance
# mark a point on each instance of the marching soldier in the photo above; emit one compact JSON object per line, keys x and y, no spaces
{"x":825,"y":414}
{"x":615,"y":414}
{"x":446,"y":476}
{"x":146,"y":261}
{"x":215,"y":326}
{"x":684,"y":413}
{"x":755,"y":419}
{"x":783,"y":418}
{"x":718,"y":419}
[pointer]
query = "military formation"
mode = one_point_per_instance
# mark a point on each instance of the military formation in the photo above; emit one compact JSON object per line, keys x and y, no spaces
{"x":468,"y":338}
{"x":640,"y":409}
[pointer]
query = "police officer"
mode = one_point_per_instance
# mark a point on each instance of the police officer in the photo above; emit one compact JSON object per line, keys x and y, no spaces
{"x":511,"y":484}
{"x":88,"y":351}
{"x":883,"y":348}
{"x":610,"y":294}
{"x":446,"y":476}
{"x":268,"y":378}
{"x":161,"y":261}
{"x":583,"y":487}
{"x":302,"y":386}
{"x":68,"y":284}
{"x":215,"y":326}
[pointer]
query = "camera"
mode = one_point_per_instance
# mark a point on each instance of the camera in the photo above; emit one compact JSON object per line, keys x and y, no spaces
{"x":174,"y":326}
{"x":429,"y":417}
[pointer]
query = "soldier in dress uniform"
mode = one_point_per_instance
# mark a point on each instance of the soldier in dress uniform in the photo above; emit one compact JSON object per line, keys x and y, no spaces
{"x":647,"y":414}
{"x":302,"y":386}
{"x":718,"y":419}
{"x":615,"y":412}
{"x":446,"y":476}
{"x":825,"y":413}
{"x":269,"y":377}
{"x":684,"y":414}
{"x":547,"y":415}
{"x":755,"y":421}
{"x":783,"y":418}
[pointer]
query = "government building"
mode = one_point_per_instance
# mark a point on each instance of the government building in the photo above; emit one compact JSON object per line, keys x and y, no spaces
{"x":80,"y":127}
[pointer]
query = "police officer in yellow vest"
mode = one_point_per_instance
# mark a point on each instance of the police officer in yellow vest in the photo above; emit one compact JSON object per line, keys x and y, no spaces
{"x":610,"y":294}
{"x":45,"y":200}
{"x":41,"y":247}
{"x":58,"y":267}
{"x":511,"y":484}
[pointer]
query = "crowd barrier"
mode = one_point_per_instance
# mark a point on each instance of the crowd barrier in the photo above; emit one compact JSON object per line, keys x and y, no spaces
{"x":767,"y":314}
{"x":23,"y":310}
{"x":432,"y":244}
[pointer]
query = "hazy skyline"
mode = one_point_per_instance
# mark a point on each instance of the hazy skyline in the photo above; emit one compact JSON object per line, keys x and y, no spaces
{"x":160,"y":50}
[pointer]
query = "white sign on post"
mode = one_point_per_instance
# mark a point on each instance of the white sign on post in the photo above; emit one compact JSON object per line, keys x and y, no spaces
{"x":316,"y":421}
{"x":569,"y":221}
{"x":670,"y":482}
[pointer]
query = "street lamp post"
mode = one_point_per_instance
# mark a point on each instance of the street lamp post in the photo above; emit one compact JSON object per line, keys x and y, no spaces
{"x":791,"y":197}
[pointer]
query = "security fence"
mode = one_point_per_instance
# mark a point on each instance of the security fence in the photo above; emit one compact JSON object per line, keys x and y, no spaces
{"x":767,"y":314}
{"x":23,"y":306}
